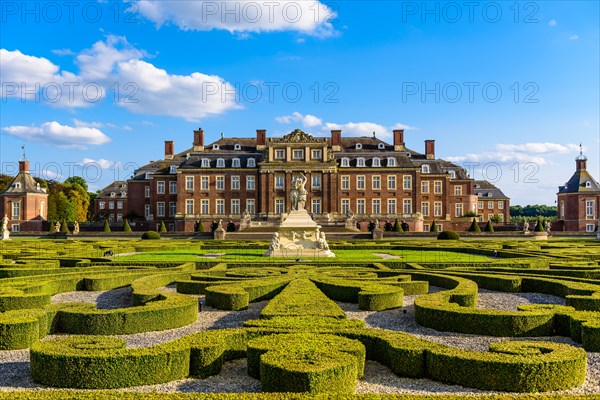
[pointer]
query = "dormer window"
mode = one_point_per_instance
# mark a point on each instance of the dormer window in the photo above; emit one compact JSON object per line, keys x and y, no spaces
{"x":376,"y":162}
{"x":18,"y":185}
{"x":477,"y":186}
{"x":381,"y":146}
{"x":391,"y":162}
{"x":425,"y":169}
{"x":205,"y":163}
{"x":147,"y":175}
{"x":237,"y":146}
{"x":588,"y":184}
{"x":215,"y":147}
{"x":360,"y":162}
{"x":479,"y":194}
{"x":37,"y":186}
{"x":489,"y":194}
{"x":123,"y":194}
{"x":235,"y":163}
{"x":112,"y":194}
{"x":251,"y":163}
{"x":452,"y":174}
{"x":358,"y":146}
{"x":173,"y":169}
{"x":220,"y":163}
{"x":345,"y":162}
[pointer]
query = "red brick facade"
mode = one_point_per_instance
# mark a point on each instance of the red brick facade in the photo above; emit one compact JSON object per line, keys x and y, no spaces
{"x":578,"y":200}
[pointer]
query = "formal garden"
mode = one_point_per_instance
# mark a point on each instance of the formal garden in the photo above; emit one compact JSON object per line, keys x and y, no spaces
{"x":384,"y":319}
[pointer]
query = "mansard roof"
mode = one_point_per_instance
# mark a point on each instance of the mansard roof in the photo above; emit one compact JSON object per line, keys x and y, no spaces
{"x":119,"y":188}
{"x":23,"y":183}
{"x":483,"y":188}
{"x":579,"y":184}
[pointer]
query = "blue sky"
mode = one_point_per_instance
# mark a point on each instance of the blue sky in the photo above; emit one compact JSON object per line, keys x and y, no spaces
{"x":506,"y":89}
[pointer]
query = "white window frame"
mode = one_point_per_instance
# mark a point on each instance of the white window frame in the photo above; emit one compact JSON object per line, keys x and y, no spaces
{"x":205,"y":163}
{"x":160,"y":187}
{"x":345,"y":206}
{"x":220,"y":206}
{"x":345,"y":182}
{"x":316,"y":206}
{"x":376,"y":206}
{"x":376,"y":182}
{"x":250,"y":183}
{"x":172,"y":208}
{"x":407,"y":182}
{"x":315,"y":154}
{"x":437,"y":208}
{"x":298,"y":154}
{"x":235,"y":163}
{"x":316,"y":181}
{"x":250,"y":163}
{"x":407,"y":206}
{"x":425,"y":169}
{"x":437,"y":187}
{"x":173,"y":187}
{"x":235,"y":206}
{"x":220,"y":182}
{"x":220,"y":163}
{"x":391,"y":161}
{"x":376,"y":162}
{"x":189,"y":183}
{"x":279,"y":182}
{"x":204,"y":207}
{"x":204,"y":182}
{"x":360,"y":162}
{"x":251,"y":206}
{"x":235,"y":182}
{"x":392,"y":206}
{"x":279,"y":206}
{"x":425,"y":187}
{"x":160,"y":209}
{"x":361,"y":206}
{"x":392,"y":184}
{"x":189,"y":207}
{"x":360,"y":182}
{"x":345,"y":162}
{"x":16,"y":210}
{"x":458,"y":210}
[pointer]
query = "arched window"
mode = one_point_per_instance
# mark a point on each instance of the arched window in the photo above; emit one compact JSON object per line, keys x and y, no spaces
{"x":358,"y":146}
{"x":205,"y":163}
{"x":376,"y":162}
{"x":424,"y":169}
{"x":220,"y":163}
{"x":391,"y":162}
{"x":237,"y":146}
{"x":215,"y":147}
{"x":381,"y":146}
{"x":345,"y":162}
{"x":360,"y":162}
{"x":251,"y":163}
{"x":235,"y":163}
{"x":452,"y":174}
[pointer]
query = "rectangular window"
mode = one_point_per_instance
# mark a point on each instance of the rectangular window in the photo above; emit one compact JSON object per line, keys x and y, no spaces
{"x":376,"y":204}
{"x":204,"y":207}
{"x":220,"y":183}
{"x":235,"y":183}
{"x":360,"y":206}
{"x":16,"y":210}
{"x":160,"y":209}
{"x":437,"y":208}
{"x":391,"y":206}
{"x":490,"y":205}
{"x":589,"y":208}
{"x":425,"y":227}
{"x":590,"y":227}
{"x":250,"y":182}
{"x":376,"y":181}
{"x":360,"y":183}
{"x":16,"y":228}
{"x":345,"y":182}
{"x":235,"y":206}
{"x":280,"y":154}
{"x":147,"y":211}
{"x":458,"y":209}
{"x":120,"y":205}
{"x":490,"y":216}
{"x":102,"y":205}
{"x":407,"y":206}
{"x":345,"y":206}
{"x":160,"y":187}
{"x":437,"y":187}
{"x":407,"y":179}
{"x":189,"y":206}
{"x":42,"y":210}
{"x":279,"y":182}
{"x":119,"y":217}
{"x":425,"y":208}
{"x":111,"y":218}
{"x":458,"y":190}
{"x":298,"y":154}
{"x":250,"y":206}
{"x":425,"y":187}
{"x":204,"y":183}
{"x":111,"y":205}
{"x":391,"y":182}
{"x":172,"y":208}
{"x":147,"y":191}
{"x":279,"y":206}
{"x":316,"y":154}
{"x":316,"y":181}
{"x":480,"y":205}
{"x":562,"y":208}
{"x":500,"y":205}
{"x":173,"y":187}
{"x":316,"y":206}
{"x":220,"y":206}
{"x":189,"y":183}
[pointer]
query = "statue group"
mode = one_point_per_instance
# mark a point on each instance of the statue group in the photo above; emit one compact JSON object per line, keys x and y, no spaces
{"x":298,"y":192}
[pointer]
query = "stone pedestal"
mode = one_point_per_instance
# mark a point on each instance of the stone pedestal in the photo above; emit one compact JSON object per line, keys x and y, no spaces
{"x":598,"y":235}
{"x":540,"y":236}
{"x":351,"y":225}
{"x":299,"y":236}
{"x":219,"y":234}
{"x":5,"y":235}
{"x":377,"y":234}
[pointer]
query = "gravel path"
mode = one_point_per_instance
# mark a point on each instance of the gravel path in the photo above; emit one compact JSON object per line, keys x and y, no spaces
{"x":14,"y":365}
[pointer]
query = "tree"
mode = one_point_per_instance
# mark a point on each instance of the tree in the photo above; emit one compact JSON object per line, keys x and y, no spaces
{"x":488,"y":227}
{"x":199,"y":227}
{"x":126,"y":226}
{"x":398,"y":226}
{"x":77,"y":180}
{"x":5,"y":180}
{"x":60,"y":207}
{"x":64,"y":228}
{"x":539,"y":227}
{"x":52,"y":228}
{"x":106,"y":227}
{"x":162,"y":228}
{"x":474,"y":226}
{"x":495,"y":219}
{"x":537,"y":210}
{"x":433,"y":226}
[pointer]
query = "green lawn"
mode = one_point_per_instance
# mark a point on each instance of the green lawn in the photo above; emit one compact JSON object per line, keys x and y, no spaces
{"x":243,"y":254}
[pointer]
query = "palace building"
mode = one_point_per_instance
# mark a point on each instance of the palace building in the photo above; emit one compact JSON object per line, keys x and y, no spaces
{"x":579,"y":200}
{"x":363,"y":176}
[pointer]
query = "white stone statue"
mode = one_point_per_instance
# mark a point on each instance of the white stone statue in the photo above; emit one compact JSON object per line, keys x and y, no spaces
{"x":274,"y":242}
{"x":245,"y":215}
{"x":76,"y":228}
{"x":548,"y":226}
{"x":298,"y":192}
{"x":57,"y":227}
{"x":5,"y":232}
{"x":525,"y":226}
{"x":322,"y":241}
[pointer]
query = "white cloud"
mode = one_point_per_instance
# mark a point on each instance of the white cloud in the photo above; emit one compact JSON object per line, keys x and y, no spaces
{"x":573,"y":37}
{"x":308,"y":17}
{"x":65,"y":136}
{"x":526,"y":152}
{"x":307,"y":121}
{"x":63,"y":52}
{"x":552,"y":23}
{"x":114,"y":68}
{"x":102,"y":163}
{"x":348,"y":129}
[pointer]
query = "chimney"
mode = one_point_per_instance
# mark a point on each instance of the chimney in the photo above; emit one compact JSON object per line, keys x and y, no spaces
{"x":581,"y":163}
{"x":430,"y":149}
{"x":24,"y":166}
{"x":199,"y":140}
{"x":169,"y":149}
{"x":336,"y":140}
{"x":261,"y":139}
{"x":399,"y":140}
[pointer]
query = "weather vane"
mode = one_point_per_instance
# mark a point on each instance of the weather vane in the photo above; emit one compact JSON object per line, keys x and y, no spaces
{"x":23,"y":148}
{"x":580,"y":148}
